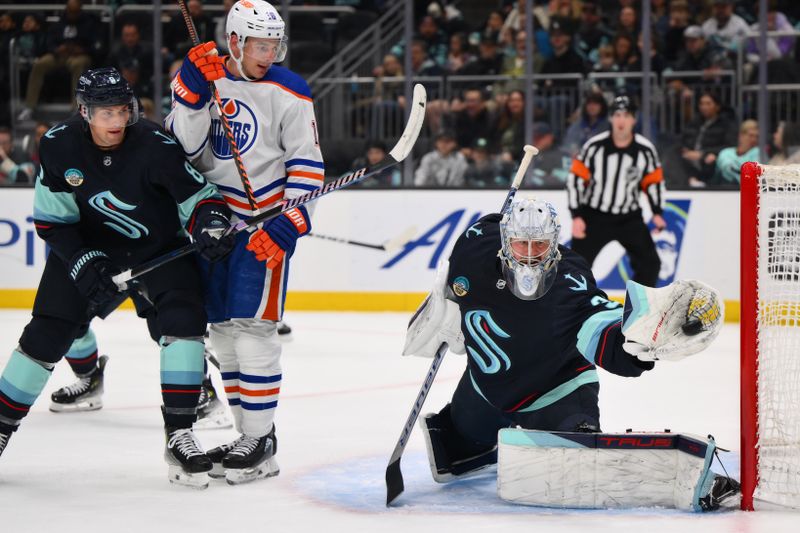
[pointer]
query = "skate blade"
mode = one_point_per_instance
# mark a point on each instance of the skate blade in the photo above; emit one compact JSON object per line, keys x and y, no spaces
{"x":268,"y":468}
{"x":77,"y":407}
{"x":178,"y":476}
{"x":217,"y":471}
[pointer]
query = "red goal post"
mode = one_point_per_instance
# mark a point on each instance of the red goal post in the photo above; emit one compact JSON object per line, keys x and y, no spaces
{"x":770,"y":335}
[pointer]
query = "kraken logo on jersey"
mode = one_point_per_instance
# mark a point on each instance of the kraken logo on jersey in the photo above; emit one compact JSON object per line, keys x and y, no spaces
{"x":480,"y":326}
{"x":243,"y":125}
{"x":110,"y":206}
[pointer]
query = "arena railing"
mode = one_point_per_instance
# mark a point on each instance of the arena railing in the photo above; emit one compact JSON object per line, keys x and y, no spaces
{"x":679,"y":106}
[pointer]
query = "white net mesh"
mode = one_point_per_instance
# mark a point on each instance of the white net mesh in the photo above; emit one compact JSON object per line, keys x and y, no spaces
{"x":779,"y":336}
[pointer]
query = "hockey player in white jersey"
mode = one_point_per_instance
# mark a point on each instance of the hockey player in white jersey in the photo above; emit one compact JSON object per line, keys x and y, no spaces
{"x":271,"y":115}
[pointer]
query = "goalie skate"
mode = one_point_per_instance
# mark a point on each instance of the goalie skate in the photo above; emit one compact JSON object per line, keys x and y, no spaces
{"x":250,"y":459}
{"x":188,"y":465}
{"x":211,"y":411}
{"x":86,"y":394}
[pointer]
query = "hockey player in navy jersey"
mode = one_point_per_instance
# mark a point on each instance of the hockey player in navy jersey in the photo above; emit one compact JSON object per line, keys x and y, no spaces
{"x":115,"y":191}
{"x":271,"y":114}
{"x":536,"y":328}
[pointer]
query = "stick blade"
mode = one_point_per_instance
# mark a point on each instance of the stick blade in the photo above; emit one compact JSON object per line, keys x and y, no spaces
{"x":413,"y":126}
{"x":394,"y":245}
{"x":394,"y":481}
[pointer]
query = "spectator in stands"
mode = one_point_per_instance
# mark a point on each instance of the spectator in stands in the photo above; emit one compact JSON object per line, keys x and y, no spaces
{"x":725,"y":28}
{"x":458,"y":54}
{"x":488,"y":62}
{"x":434,"y":38}
{"x":70,"y":44}
{"x":485,"y":170}
{"x":493,"y":27}
{"x":626,"y":55}
{"x":659,"y":17}
{"x":32,"y":40}
{"x":444,"y":166}
{"x":421,"y":64}
{"x":679,"y":20}
{"x":12,"y":161}
{"x":704,"y":137}
{"x":593,"y":119}
{"x":471,"y":119}
{"x":511,"y":126}
{"x":545,"y":13}
{"x":565,"y":60}
{"x":731,"y":159}
{"x":700,"y":55}
{"x":628,"y":22}
{"x":389,"y":177}
{"x":31,"y":146}
{"x":592,"y":33}
{"x":787,"y":144}
{"x":548,"y":167}
{"x":176,"y":37}
{"x":7,"y":32}
{"x":777,"y":47}
{"x":657,"y":61}
{"x":514,"y":64}
{"x":134,"y":59}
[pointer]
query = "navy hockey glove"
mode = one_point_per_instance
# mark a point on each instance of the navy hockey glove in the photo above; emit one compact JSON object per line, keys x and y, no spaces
{"x":92,"y":272}
{"x":201,"y":66}
{"x":209,"y":235}
{"x":279,"y":236}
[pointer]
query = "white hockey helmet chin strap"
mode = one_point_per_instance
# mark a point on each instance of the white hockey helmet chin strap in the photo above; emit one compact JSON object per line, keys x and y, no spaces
{"x":529,"y":254}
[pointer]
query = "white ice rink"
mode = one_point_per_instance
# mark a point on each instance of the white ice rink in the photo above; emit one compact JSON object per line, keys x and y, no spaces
{"x":345,"y":396}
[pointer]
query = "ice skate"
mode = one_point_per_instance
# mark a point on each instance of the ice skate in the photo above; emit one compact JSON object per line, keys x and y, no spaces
{"x":217,"y":455}
{"x":86,"y":394}
{"x":188,"y":465}
{"x":284,"y":331}
{"x":251,"y":458}
{"x":211,"y":411}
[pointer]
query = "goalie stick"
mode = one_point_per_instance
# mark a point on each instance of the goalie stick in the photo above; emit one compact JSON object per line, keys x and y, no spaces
{"x":392,"y":245}
{"x":395,"y":156}
{"x":394,"y":476}
{"x":226,"y":126}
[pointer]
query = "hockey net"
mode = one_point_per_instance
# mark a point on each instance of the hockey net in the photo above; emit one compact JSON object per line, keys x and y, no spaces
{"x":770,"y":335}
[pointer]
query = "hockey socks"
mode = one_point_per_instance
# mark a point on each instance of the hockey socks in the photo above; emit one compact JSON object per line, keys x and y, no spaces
{"x":21,"y":383}
{"x":181,"y":378}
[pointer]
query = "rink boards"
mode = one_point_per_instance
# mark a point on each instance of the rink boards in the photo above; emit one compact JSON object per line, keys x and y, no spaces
{"x":701,"y":242}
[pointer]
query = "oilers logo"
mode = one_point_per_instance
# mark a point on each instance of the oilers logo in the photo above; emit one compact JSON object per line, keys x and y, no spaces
{"x":243,"y":125}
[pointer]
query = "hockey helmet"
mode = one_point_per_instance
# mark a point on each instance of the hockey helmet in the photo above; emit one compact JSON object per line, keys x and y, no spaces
{"x":529,"y":230}
{"x":256,"y":18}
{"x":105,"y":87}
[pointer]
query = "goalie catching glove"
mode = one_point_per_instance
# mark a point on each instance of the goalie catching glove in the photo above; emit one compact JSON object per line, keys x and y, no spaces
{"x":672,"y":322}
{"x":436,"y":321}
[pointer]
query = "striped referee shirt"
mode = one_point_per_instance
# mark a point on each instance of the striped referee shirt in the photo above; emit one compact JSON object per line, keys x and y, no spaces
{"x":609,"y":179}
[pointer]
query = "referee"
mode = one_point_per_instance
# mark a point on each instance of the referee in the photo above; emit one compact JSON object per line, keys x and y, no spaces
{"x":604,"y":187}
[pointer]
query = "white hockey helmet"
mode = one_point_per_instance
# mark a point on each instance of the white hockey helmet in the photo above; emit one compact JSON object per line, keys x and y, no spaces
{"x":529,"y":254}
{"x":256,"y":18}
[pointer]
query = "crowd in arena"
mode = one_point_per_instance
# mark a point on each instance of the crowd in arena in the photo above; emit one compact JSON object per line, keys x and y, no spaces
{"x":585,"y":52}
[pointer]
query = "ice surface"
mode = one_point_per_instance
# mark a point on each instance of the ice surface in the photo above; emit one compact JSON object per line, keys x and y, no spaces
{"x":346,"y":394}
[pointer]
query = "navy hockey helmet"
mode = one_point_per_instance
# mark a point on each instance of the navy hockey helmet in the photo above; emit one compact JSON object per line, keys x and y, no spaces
{"x":105,"y":87}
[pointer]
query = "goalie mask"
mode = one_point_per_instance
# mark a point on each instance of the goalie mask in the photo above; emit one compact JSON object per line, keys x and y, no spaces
{"x":101,"y":94}
{"x":529,"y":255}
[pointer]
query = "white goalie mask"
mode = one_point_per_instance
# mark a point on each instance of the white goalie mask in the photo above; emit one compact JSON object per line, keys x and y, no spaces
{"x":256,"y":18}
{"x":529,"y":255}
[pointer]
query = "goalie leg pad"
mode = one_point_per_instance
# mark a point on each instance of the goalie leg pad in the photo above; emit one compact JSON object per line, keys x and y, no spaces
{"x":452,"y":456}
{"x":600,"y":471}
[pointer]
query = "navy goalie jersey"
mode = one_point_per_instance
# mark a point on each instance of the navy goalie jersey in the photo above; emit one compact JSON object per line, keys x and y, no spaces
{"x":521,"y":354}
{"x":133,"y":202}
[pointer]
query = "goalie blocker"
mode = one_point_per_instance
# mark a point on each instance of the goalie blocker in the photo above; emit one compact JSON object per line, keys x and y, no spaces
{"x":609,"y":470}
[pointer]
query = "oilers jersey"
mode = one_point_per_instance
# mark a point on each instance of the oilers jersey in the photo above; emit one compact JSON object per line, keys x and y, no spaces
{"x":133,"y":203}
{"x":524,"y":355}
{"x":273,"y":122}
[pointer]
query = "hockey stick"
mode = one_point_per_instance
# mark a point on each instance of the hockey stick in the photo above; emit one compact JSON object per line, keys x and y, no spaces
{"x":394,"y":476}
{"x":226,"y":126}
{"x":390,"y":246}
{"x":395,"y":156}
